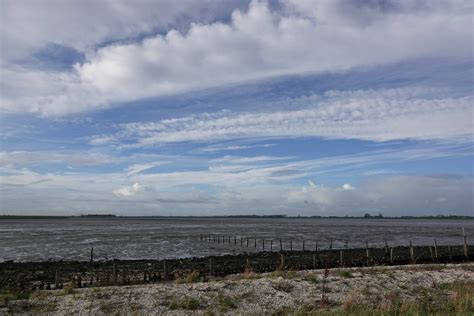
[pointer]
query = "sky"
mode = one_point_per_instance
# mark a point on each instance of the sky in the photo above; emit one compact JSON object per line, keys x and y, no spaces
{"x":180,"y":107}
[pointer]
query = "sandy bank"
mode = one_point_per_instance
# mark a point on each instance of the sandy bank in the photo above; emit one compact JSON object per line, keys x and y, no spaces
{"x":444,"y":288}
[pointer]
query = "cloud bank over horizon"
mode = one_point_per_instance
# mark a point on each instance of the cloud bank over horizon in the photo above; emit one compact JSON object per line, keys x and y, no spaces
{"x":211,"y":107}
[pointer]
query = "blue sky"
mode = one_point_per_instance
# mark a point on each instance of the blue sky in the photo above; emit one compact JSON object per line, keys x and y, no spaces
{"x":237,"y":107}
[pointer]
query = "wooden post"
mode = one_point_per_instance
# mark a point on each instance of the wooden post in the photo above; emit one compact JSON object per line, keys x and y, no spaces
{"x":263,"y":244}
{"x":281,"y":246}
{"x":56,"y":280}
{"x":235,"y":240}
{"x":271,"y":245}
{"x":316,"y":247}
{"x":210,"y":266}
{"x":303,"y":244}
{"x":450,"y":253}
{"x":367,"y":252}
{"x":391,"y":255}
{"x":247,"y":242}
{"x":201,"y":237}
{"x":255,"y":243}
{"x":412,"y":253}
{"x":114,"y":272}
{"x":431,"y":253}
{"x":291,"y":244}
{"x":92,"y":254}
{"x":229,"y":240}
{"x":330,"y":244}
{"x":247,"y":265}
{"x":282,"y":261}
{"x":341,"y":258}
{"x":465,"y":248}
{"x":436,"y":248}
{"x":314,"y":261}
{"x":165,"y":270}
{"x":386,"y":246}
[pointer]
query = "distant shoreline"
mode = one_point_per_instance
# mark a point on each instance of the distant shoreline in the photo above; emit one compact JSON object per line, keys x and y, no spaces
{"x":111,"y":216}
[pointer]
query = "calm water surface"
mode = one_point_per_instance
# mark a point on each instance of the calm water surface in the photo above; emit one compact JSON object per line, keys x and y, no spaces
{"x":55,"y":239}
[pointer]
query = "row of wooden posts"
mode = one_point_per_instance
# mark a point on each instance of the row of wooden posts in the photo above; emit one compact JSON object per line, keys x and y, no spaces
{"x":246,"y":242}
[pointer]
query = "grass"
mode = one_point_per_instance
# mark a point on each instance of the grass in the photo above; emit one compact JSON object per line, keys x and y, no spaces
{"x":250,"y":275}
{"x":187,"y":303}
{"x":191,"y":277}
{"x":449,"y":299}
{"x":312,"y":278}
{"x":283,"y":286}
{"x":345,"y":274}
{"x":226,"y":303}
{"x":289,"y":274}
{"x":68,"y":289}
{"x":13,"y":295}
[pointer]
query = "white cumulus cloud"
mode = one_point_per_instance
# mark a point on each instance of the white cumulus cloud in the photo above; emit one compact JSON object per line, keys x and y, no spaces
{"x":255,"y":44}
{"x":127,"y":190}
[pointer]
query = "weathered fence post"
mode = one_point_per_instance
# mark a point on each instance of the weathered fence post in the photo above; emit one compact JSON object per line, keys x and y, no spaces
{"x":314,"y":261}
{"x":465,"y":248}
{"x":330,"y":244}
{"x":282,"y":262}
{"x":391,"y":255}
{"x":412,"y":253}
{"x":281,"y":246}
{"x":229,"y":240}
{"x":303,"y":244}
{"x":291,"y":244}
{"x":210,"y":266}
{"x":56,"y":280}
{"x":367,"y":252}
{"x":165,"y":271}
{"x":92,"y":254}
{"x":386,"y":246}
{"x":255,"y":242}
{"x":271,"y":245}
{"x":340,"y":258}
{"x":435,"y":248}
{"x":263,"y":244}
{"x":114,"y":272}
{"x":316,"y":247}
{"x":431,"y":253}
{"x":247,"y":242}
{"x":235,"y":240}
{"x":450,"y":251}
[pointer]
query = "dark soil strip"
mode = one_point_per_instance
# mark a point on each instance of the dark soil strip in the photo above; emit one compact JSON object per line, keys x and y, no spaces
{"x":25,"y":276}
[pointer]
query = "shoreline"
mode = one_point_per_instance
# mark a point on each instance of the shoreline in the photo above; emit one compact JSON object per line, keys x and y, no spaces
{"x":56,"y":274}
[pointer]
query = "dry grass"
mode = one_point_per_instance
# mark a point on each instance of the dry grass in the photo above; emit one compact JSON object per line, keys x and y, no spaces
{"x":187,"y":303}
{"x":449,"y":299}
{"x":191,"y":277}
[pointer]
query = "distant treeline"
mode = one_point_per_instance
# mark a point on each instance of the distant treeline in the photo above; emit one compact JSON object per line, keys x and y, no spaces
{"x":112,"y":216}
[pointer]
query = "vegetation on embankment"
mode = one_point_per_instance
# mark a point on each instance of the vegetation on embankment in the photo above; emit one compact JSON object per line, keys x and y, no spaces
{"x":440,"y":289}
